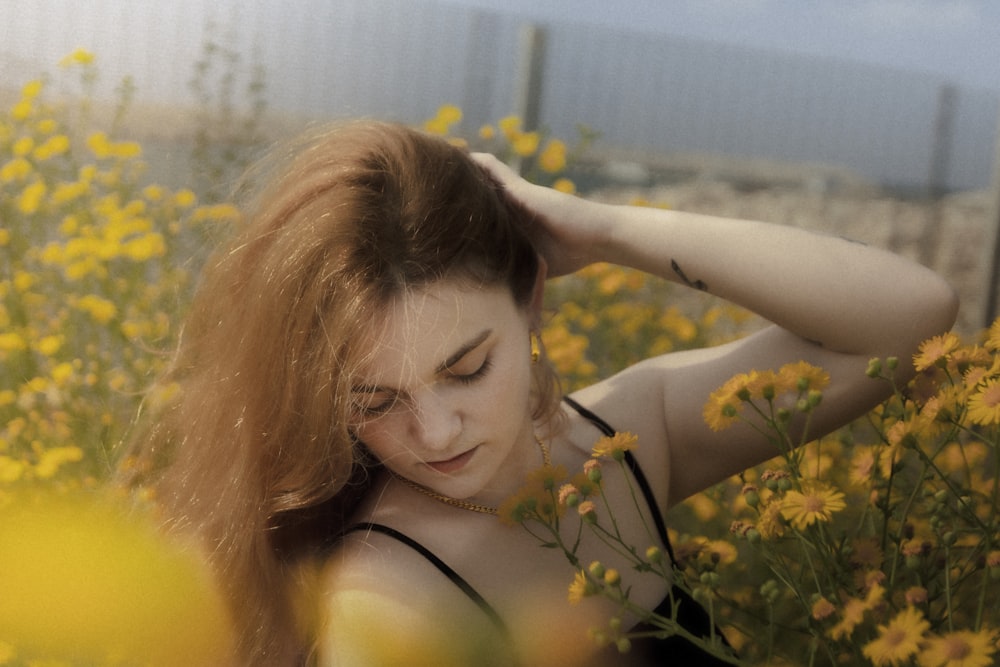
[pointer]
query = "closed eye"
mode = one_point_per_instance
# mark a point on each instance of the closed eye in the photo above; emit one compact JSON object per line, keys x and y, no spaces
{"x":469,"y":378}
{"x":370,"y":404}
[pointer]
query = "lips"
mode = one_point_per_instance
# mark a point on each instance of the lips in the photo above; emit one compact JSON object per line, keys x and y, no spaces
{"x":452,"y":465}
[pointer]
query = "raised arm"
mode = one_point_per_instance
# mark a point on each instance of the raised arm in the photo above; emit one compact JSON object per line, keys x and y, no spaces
{"x":835,"y":304}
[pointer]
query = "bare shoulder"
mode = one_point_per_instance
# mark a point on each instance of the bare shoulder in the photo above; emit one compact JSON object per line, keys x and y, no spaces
{"x":383,"y":603}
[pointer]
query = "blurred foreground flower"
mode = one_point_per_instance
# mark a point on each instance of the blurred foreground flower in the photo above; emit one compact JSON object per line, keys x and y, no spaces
{"x":88,"y":582}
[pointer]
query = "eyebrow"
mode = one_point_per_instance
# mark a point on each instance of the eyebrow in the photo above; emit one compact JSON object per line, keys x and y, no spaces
{"x":457,"y":356}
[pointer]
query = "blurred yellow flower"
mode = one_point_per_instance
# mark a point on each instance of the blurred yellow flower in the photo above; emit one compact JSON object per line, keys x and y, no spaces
{"x":30,"y":199}
{"x":77,"y":57}
{"x":898,"y":640}
{"x":15,"y":170}
{"x":553,"y":157}
{"x":816,"y":502}
{"x":564,"y":185}
{"x":854,"y":612}
{"x":510,"y":126}
{"x":962,"y":648}
{"x":526,"y":144}
{"x":487,"y":132}
{"x":97,"y":585}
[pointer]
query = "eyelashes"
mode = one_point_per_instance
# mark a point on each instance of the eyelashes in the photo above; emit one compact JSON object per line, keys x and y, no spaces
{"x":376,"y":408}
{"x":480,"y":372}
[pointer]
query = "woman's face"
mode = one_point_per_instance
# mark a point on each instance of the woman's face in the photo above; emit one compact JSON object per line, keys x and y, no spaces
{"x":445,"y":398}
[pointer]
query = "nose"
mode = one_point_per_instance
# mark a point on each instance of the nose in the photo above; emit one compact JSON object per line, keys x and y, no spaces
{"x":436,"y":422}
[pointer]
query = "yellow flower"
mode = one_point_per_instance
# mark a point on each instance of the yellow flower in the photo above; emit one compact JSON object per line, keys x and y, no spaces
{"x":553,"y":157}
{"x":15,"y":170}
{"x":487,"y":132}
{"x":822,"y":609}
{"x":510,"y":126}
{"x":802,"y":376}
{"x":897,"y":640}
{"x":185,"y":198}
{"x":121,"y":586}
{"x":984,"y":405}
{"x":564,"y":185}
{"x":769,"y":524}
{"x":77,"y":57}
{"x":49,"y":345}
{"x":525,"y":144}
{"x":615,"y":446}
{"x":580,"y":588}
{"x":449,"y":113}
{"x":12,"y":342}
{"x":816,"y":502}
{"x":993,"y":336}
{"x":55,"y":145}
{"x":32,"y":89}
{"x":99,"y":308}
{"x":962,"y":648}
{"x":854,"y":612}
{"x":935,"y":349}
{"x":724,"y":404}
{"x":31,"y":198}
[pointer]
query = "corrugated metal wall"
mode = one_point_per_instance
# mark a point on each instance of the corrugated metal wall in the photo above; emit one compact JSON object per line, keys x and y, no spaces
{"x":402,"y":58}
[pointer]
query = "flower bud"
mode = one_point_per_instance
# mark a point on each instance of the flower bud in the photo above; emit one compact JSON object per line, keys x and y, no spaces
{"x":611,"y":577}
{"x":874,"y":367}
{"x":654,"y":554}
{"x":597,"y":570}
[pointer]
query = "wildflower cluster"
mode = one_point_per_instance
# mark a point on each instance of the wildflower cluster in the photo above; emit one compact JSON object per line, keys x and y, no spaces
{"x":90,"y":279}
{"x":565,"y":513}
{"x":878,"y":543}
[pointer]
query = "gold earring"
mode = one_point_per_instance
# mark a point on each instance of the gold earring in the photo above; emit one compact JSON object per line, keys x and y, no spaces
{"x":536,"y":349}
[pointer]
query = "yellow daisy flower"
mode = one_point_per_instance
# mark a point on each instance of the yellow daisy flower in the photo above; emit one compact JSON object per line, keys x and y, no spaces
{"x":962,"y":648}
{"x":812,"y":377}
{"x":935,"y":349}
{"x":580,"y":588}
{"x":615,"y":446}
{"x":816,"y":502}
{"x":724,"y":404}
{"x":993,"y":335}
{"x":898,"y":639}
{"x":984,"y":404}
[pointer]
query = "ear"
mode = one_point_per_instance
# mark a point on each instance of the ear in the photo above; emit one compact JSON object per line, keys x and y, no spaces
{"x":538,"y":293}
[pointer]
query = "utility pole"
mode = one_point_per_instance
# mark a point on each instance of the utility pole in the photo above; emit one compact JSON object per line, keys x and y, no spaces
{"x":992,"y":264}
{"x":528,"y":84}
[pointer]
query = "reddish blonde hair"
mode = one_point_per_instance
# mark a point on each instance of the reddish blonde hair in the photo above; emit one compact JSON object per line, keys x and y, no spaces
{"x":255,"y":456}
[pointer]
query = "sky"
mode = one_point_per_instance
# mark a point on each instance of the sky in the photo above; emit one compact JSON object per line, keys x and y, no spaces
{"x":959,"y":39}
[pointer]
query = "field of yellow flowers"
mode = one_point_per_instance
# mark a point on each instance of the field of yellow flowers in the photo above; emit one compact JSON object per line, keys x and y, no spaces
{"x":877,"y":545}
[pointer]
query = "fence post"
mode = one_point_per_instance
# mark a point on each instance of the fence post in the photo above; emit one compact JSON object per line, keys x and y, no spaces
{"x":528,"y":83}
{"x":992,"y":264}
{"x":937,"y":177}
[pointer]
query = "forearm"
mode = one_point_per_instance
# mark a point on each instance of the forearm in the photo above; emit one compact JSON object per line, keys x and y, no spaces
{"x":843,"y":295}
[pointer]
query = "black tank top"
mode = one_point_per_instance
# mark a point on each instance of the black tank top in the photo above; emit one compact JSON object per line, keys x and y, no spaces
{"x":645,"y":651}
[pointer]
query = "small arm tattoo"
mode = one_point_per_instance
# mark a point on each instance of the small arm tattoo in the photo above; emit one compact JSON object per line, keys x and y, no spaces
{"x":697,"y":284}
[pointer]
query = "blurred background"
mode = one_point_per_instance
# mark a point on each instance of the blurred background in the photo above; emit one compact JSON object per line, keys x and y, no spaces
{"x":875,"y":119}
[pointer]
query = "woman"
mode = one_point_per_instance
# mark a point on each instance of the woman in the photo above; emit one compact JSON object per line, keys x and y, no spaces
{"x":359,"y":384}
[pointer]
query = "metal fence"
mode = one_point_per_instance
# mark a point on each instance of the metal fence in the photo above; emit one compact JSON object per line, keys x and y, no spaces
{"x":642,"y":92}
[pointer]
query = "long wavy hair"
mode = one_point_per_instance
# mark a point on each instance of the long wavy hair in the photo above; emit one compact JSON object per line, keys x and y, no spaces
{"x":254,"y":456}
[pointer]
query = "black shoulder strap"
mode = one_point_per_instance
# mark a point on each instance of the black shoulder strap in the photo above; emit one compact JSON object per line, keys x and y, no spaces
{"x":444,"y":568}
{"x":640,"y":477}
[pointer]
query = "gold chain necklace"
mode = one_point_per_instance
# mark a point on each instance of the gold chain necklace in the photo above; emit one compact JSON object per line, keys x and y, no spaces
{"x":465,"y":504}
